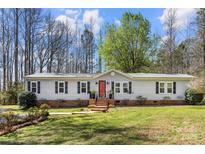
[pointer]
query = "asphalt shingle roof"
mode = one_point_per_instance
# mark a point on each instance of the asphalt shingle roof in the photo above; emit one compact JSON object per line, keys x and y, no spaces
{"x":157,"y":75}
{"x":71,"y":75}
{"x":84,"y":75}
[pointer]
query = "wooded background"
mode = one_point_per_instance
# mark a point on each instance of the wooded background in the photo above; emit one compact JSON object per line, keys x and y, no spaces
{"x":32,"y":40}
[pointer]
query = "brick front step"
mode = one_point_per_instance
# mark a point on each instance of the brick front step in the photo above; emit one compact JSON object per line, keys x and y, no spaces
{"x":92,"y":106}
{"x":99,"y":106}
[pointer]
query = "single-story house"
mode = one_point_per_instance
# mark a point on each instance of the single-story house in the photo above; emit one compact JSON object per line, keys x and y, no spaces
{"x":124,"y":86}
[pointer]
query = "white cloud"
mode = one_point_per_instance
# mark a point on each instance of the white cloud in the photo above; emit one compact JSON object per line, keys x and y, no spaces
{"x":91,"y":17}
{"x":164,"y":38}
{"x":117,"y":22}
{"x":67,"y":20}
{"x":73,"y":13}
{"x":74,"y":19}
{"x":182,"y":17}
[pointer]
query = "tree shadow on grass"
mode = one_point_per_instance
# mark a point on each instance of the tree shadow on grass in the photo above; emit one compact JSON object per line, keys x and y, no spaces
{"x":76,"y":130}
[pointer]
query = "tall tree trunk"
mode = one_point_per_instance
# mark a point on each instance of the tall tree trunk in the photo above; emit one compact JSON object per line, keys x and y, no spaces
{"x":16,"y":47}
{"x":204,"y":50}
{"x":4,"y":51}
{"x":26,"y":44}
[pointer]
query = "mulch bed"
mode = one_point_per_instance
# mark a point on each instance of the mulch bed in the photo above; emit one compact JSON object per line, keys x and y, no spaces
{"x":23,"y":124}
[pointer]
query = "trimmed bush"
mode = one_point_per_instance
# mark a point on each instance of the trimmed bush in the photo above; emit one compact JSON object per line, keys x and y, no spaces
{"x":27,"y":100}
{"x":166,"y":98}
{"x":193,"y":97}
{"x":92,"y":94}
{"x":141,"y":99}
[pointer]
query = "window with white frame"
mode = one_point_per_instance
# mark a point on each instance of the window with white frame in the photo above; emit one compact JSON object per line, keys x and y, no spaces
{"x":117,"y":87}
{"x":61,"y":87}
{"x":83,"y":87}
{"x":33,"y":87}
{"x":165,"y":87}
{"x":169,"y":87}
{"x":125,"y":87}
{"x":161,"y":87}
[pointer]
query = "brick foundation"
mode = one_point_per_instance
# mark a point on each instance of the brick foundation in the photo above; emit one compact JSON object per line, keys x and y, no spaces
{"x":112,"y":103}
{"x":64,"y":103}
{"x":148,"y":102}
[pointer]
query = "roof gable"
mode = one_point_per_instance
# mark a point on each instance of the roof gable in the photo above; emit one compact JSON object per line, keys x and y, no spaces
{"x":115,"y":71}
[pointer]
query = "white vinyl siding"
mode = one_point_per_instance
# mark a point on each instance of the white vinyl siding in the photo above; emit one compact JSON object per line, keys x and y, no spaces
{"x":144,"y":88}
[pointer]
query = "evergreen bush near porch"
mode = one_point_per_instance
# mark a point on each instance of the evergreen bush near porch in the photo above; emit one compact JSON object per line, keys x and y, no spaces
{"x":193,"y":97}
{"x":27,"y":100}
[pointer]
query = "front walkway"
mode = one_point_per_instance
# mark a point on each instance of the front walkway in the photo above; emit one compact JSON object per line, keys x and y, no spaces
{"x":71,"y":113}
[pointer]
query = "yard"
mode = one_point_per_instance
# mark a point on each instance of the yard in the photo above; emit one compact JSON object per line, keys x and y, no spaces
{"x":123,"y":125}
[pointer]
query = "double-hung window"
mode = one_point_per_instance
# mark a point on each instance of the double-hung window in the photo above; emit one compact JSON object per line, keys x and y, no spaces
{"x":125,"y":87}
{"x":34,"y":87}
{"x":117,"y":87}
{"x":161,"y":87}
{"x":165,"y":87}
{"x":61,"y":87}
{"x":83,"y":87}
{"x":169,"y":87}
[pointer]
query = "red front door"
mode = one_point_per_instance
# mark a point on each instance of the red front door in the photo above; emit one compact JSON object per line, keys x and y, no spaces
{"x":102,"y":88}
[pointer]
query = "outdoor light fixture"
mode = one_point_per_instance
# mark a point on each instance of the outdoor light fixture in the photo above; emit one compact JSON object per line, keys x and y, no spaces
{"x":96,"y":82}
{"x":107,"y":82}
{"x":112,"y":73}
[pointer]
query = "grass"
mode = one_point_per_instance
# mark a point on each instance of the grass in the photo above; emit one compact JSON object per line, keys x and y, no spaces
{"x":125,"y":125}
{"x":9,"y":106}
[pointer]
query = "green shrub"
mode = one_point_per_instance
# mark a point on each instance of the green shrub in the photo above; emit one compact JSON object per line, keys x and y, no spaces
{"x":93,"y":92}
{"x":33,"y":113}
{"x":3,"y":97}
{"x":9,"y":97}
{"x":12,"y":96}
{"x":166,"y":98}
{"x":27,"y":100}
{"x":202,"y":102}
{"x":10,"y":119}
{"x":192,"y":96}
{"x":44,"y":109}
{"x":141,"y":99}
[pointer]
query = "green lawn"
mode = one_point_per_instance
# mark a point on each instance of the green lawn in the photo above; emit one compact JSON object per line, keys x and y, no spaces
{"x":9,"y":106}
{"x":125,"y":125}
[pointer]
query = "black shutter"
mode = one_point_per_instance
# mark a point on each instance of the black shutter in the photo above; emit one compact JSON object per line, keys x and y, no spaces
{"x":39,"y":87}
{"x":29,"y":85}
{"x":113,"y":86}
{"x":130,"y":87}
{"x":174,"y":87}
{"x":88,"y":87}
{"x":157,"y":87}
{"x":66,"y":87}
{"x":78,"y":87}
{"x":56,"y":87}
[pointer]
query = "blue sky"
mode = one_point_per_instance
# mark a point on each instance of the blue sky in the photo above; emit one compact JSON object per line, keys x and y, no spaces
{"x":101,"y":16}
{"x":111,"y":15}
